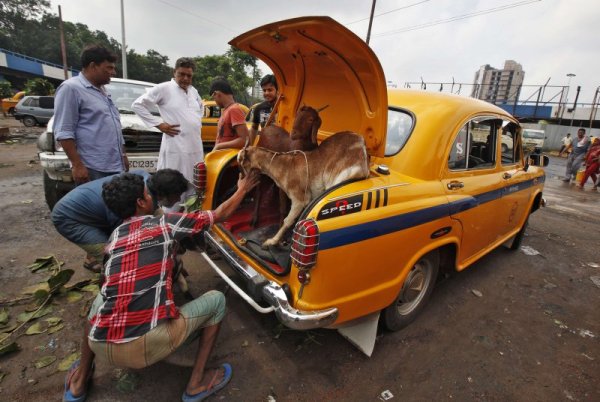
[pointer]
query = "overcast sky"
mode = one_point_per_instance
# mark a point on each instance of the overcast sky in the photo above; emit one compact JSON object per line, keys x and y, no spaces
{"x":549,"y":38}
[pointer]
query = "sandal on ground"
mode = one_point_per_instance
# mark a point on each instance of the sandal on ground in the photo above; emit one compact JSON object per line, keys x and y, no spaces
{"x":67,"y":395}
{"x":212,"y":387}
{"x":95,"y":267}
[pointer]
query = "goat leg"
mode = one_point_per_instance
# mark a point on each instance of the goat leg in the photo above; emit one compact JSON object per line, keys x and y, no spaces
{"x":295,"y":210}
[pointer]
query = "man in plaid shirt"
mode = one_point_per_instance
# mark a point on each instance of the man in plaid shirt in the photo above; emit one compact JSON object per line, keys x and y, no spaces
{"x":134,"y":320}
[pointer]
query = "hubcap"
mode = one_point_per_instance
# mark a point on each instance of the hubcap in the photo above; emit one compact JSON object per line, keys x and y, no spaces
{"x":415,"y":287}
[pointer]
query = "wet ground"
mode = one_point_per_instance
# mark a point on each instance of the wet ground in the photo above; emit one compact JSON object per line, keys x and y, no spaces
{"x":515,"y":326}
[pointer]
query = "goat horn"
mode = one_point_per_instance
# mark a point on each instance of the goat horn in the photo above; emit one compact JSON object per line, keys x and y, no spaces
{"x":322,"y":108}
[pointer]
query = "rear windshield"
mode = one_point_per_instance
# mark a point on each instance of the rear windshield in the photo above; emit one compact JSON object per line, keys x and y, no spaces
{"x":399,"y":127}
{"x":533,"y":134}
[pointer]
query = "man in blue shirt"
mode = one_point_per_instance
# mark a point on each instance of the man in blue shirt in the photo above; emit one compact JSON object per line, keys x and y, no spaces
{"x":580,"y":147}
{"x":86,"y":121}
{"x":83,"y":218}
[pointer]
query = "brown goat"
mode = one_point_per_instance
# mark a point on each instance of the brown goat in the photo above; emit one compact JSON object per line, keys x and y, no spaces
{"x":303,"y":137}
{"x":305,"y":175}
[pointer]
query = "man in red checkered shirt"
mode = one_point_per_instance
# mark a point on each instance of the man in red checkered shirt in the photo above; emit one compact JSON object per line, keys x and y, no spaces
{"x":134,"y":320}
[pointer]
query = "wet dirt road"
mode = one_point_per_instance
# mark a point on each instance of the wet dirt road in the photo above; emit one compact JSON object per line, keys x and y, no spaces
{"x":534,"y":334}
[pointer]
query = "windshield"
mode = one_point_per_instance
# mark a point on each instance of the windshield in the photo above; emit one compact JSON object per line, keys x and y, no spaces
{"x":399,"y":127}
{"x":536,"y":135}
{"x":124,"y":93}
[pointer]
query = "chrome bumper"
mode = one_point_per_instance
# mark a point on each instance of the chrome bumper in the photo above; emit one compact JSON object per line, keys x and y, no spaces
{"x":269,"y":290}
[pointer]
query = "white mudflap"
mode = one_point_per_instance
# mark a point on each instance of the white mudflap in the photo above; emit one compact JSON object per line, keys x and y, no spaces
{"x":362,"y":332}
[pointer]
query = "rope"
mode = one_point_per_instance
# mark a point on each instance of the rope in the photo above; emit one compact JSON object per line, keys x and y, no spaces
{"x":293,"y":152}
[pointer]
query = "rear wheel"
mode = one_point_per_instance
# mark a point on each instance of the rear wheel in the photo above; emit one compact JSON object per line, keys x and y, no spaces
{"x":504,"y":148}
{"x":415,"y":292}
{"x":11,"y":111}
{"x":29,"y":121}
{"x":518,"y":239}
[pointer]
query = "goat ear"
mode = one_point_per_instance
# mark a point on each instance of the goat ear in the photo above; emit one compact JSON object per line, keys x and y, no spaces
{"x":315,"y":129}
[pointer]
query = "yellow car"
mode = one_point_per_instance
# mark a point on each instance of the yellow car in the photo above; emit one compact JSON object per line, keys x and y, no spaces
{"x":8,"y":104}
{"x":212,"y":112}
{"x":442,"y":191}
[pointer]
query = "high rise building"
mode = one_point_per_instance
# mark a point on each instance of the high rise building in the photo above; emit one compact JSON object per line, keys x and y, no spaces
{"x":498,"y":85}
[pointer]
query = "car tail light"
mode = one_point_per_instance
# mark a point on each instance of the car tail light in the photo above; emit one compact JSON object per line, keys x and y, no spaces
{"x":200,"y":178}
{"x":305,"y":245}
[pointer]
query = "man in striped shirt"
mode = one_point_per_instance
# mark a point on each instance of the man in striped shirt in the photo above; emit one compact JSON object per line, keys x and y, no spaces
{"x":134,"y":320}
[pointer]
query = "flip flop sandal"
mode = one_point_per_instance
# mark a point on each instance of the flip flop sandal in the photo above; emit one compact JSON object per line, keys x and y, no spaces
{"x":95,"y":267}
{"x":212,"y":387}
{"x":67,"y":395}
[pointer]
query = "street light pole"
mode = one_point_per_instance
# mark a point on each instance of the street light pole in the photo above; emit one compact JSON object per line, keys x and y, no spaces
{"x":570,"y":75}
{"x":370,"y":22}
{"x":123,"y":45}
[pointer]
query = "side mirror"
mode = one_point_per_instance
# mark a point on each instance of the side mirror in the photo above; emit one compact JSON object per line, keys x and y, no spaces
{"x":539,"y":160}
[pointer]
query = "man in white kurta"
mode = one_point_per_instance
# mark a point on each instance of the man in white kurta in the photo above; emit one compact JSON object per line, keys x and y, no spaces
{"x":180,"y":120}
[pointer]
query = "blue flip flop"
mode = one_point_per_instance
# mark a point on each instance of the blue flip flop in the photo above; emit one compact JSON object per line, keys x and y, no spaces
{"x":212,"y":388}
{"x":68,"y":396}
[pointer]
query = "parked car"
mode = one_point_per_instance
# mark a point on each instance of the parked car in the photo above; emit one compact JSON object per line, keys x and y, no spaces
{"x":34,"y":110}
{"x":141,"y":142}
{"x":533,"y":140}
{"x":436,"y":197}
{"x":8,"y":104}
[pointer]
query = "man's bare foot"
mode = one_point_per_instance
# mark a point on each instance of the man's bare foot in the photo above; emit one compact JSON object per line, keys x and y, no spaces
{"x":210,"y":378}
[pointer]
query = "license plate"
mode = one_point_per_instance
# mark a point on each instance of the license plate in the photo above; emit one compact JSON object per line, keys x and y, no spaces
{"x":148,"y":165}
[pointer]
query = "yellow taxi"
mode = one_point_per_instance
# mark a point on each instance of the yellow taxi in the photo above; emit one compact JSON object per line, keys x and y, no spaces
{"x":212,"y":112}
{"x":444,"y":190}
{"x":8,"y":104}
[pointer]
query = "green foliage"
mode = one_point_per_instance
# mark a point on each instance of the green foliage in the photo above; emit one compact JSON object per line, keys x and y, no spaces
{"x":232,"y":66}
{"x":39,"y":86}
{"x":5,"y":89}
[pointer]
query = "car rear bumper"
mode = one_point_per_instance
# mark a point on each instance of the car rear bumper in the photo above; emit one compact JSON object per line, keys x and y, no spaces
{"x":270,"y":291}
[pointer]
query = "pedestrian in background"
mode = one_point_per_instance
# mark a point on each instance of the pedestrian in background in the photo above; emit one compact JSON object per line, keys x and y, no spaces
{"x":86,"y":121}
{"x":231,"y":128}
{"x":592,"y":165}
{"x":181,"y":111}
{"x":580,"y":147}
{"x":566,"y":142}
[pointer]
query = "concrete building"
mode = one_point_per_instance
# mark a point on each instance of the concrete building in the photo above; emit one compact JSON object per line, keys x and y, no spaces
{"x":498,"y":85}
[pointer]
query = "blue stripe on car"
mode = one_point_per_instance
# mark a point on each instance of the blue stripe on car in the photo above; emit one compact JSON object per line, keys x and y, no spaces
{"x":368,"y":230}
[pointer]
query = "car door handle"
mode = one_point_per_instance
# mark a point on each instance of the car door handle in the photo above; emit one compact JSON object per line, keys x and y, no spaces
{"x":453,"y":185}
{"x":506,"y":175}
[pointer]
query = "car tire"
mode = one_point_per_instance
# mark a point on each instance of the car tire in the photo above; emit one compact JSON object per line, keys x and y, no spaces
{"x":29,"y":121}
{"x":11,"y":111}
{"x":504,"y":148}
{"x":518,"y":239}
{"x":414,"y":294}
{"x":54,"y":190}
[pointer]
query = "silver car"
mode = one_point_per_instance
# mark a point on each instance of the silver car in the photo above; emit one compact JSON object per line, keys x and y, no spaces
{"x":34,"y":110}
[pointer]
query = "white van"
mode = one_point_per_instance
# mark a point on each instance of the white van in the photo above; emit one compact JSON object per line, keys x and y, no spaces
{"x":533,"y":139}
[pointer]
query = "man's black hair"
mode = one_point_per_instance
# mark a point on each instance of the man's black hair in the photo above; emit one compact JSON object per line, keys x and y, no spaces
{"x":221,"y":85}
{"x":167,"y":182}
{"x":121,"y":193}
{"x":185,"y":62}
{"x":97,"y":54}
{"x":269,"y":79}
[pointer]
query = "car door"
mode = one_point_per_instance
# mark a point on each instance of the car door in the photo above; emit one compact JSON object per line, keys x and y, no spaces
{"x":473,"y":184}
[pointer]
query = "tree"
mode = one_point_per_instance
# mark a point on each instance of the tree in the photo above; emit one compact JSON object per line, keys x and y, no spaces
{"x":39,"y":86}
{"x":5,"y":89}
{"x":151,"y":67}
{"x":231,"y":66}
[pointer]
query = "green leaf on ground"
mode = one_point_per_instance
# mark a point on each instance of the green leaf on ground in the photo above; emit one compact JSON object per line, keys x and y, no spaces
{"x":73,"y":296}
{"x":44,"y":263}
{"x":6,"y":349}
{"x":60,"y":279}
{"x":41,"y":294}
{"x":2,"y":375}
{"x":52,"y":321}
{"x":23,"y":317}
{"x":35,"y":329}
{"x":4,"y":316}
{"x":55,"y":328}
{"x":4,"y":337}
{"x":127,"y":382}
{"x":9,"y":328}
{"x":45,"y":361}
{"x":30,"y":290}
{"x":66,"y":363}
{"x":92,"y":288}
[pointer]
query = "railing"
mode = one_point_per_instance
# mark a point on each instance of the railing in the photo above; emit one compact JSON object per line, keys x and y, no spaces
{"x":22,"y":56}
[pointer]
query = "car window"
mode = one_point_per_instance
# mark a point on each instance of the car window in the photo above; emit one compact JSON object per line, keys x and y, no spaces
{"x":124,"y":93}
{"x":399,"y":127}
{"x":474,"y":146}
{"x":511,"y":152}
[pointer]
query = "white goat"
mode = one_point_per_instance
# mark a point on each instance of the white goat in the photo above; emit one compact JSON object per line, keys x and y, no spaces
{"x":305,"y":175}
